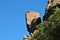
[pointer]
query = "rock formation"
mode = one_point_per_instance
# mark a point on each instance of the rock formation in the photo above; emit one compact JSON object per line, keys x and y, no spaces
{"x":52,"y":3}
{"x":27,"y":37}
{"x":50,"y":8}
{"x":32,"y":19}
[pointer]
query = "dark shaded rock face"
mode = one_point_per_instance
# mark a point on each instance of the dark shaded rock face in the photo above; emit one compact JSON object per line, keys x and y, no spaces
{"x":51,"y":5}
{"x":32,"y":19}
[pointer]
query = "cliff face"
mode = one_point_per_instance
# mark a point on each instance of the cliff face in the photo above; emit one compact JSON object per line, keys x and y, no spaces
{"x":33,"y":18}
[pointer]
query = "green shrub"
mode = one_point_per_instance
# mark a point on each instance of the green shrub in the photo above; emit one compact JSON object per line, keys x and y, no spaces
{"x":49,"y":30}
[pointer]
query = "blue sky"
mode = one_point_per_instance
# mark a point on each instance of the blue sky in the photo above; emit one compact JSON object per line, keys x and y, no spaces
{"x":12,"y":17}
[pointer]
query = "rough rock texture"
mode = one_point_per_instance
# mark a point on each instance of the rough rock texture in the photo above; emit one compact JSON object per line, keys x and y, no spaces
{"x":52,"y":3}
{"x":31,"y":35}
{"x":27,"y":37}
{"x":32,"y":19}
{"x":50,"y":8}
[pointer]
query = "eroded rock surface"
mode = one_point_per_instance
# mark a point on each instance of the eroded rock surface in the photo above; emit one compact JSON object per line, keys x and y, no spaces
{"x":32,"y":19}
{"x":50,"y":8}
{"x":52,"y":3}
{"x":27,"y":37}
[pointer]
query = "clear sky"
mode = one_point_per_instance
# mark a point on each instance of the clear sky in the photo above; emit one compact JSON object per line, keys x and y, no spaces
{"x":12,"y":17}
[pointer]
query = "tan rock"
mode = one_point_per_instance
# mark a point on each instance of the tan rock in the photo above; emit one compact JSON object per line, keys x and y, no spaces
{"x":52,"y":3}
{"x":50,"y":8}
{"x":27,"y":37}
{"x":32,"y":19}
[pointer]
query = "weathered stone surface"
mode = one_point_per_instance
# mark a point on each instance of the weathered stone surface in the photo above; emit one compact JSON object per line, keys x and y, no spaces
{"x":27,"y":37}
{"x":50,"y":8}
{"x":32,"y":19}
{"x":52,"y":3}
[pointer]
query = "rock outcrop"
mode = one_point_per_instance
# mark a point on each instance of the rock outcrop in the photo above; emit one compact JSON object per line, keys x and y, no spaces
{"x":50,"y":8}
{"x":52,"y":3}
{"x":27,"y":37}
{"x":32,"y":19}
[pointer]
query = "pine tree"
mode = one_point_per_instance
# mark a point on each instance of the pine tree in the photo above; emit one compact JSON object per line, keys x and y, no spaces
{"x":49,"y":30}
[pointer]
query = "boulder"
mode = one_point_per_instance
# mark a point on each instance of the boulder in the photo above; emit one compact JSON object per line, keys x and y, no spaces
{"x":32,"y":19}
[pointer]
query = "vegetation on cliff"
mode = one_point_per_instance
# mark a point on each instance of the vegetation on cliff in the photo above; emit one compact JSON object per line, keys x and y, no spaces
{"x":49,"y":30}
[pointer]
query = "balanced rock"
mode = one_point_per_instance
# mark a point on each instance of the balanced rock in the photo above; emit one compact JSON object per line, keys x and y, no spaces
{"x":32,"y":19}
{"x":51,"y":5}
